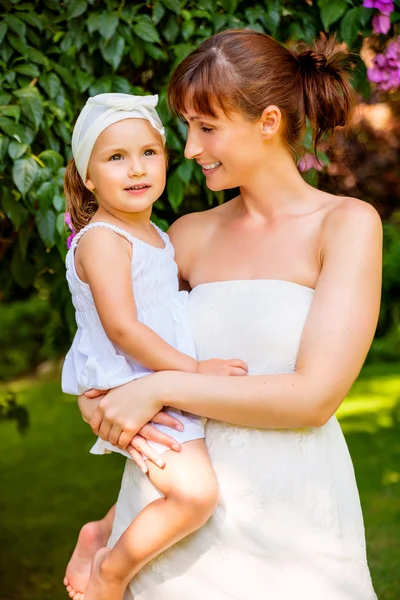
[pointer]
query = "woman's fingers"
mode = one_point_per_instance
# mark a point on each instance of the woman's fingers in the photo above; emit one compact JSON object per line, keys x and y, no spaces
{"x":105,"y":429}
{"x":149,"y":432}
{"x":114,"y":435}
{"x":124,"y":440}
{"x":138,"y":459}
{"x":163,"y":418}
{"x":140,"y":444}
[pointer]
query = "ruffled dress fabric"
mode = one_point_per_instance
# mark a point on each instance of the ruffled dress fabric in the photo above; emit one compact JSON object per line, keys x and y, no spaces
{"x":93,"y":361}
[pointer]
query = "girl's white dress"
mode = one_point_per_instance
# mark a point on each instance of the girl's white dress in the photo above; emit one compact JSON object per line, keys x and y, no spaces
{"x":94,"y":362}
{"x":288,"y":524}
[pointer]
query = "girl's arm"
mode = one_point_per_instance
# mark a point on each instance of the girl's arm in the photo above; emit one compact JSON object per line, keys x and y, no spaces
{"x":336,"y":338}
{"x":103,"y":260}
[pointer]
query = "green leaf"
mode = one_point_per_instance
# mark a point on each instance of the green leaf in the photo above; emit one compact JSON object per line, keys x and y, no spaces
{"x":175,"y":189}
{"x":51,"y":84}
{"x":17,"y":43}
{"x":45,"y":194}
{"x":14,"y":211}
{"x":16,"y":150}
{"x":113,"y":50}
{"x":158,"y":13}
{"x":3,"y":31}
{"x":38,"y":57}
{"x":272,"y":16}
{"x":365,"y":15}
{"x":24,"y":173}
{"x":59,"y":203}
{"x":218,"y":21}
{"x":331,"y":11}
{"x":46,"y":224}
{"x":185,"y":170}
{"x":188,"y":29}
{"x":22,"y":133}
{"x":28,"y":69}
{"x":52,"y":159}
{"x":171,"y":30}
{"x":146,"y":31}
{"x":154,"y":51}
{"x":60,"y":224}
{"x":229,"y":5}
{"x":31,"y":19}
{"x":137,"y":52}
{"x":15,"y":25}
{"x":11,"y":110}
{"x":107,"y":25}
{"x":349,"y":26}
{"x":173,"y":5}
{"x":76,"y":8}
{"x":31,"y":104}
{"x":83,"y":80}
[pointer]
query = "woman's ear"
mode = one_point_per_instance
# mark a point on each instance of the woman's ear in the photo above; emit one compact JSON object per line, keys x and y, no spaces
{"x":270,"y":122}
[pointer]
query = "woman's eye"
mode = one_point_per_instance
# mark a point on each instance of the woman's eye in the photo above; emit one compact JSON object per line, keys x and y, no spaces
{"x":116,"y":157}
{"x":149,"y":152}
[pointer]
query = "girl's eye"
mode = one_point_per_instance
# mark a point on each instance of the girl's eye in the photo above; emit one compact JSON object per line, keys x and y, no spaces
{"x":149,"y":152}
{"x":116,"y":157}
{"x":206,"y":129}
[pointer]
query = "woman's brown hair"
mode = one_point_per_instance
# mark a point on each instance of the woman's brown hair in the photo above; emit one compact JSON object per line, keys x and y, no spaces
{"x":81,"y":203}
{"x":247,"y":71}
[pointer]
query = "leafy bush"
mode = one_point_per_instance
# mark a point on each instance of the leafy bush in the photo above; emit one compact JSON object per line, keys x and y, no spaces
{"x":29,"y":334}
{"x":53,"y":55}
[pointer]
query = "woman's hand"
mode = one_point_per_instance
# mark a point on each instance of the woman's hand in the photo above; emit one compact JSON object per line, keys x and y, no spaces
{"x":123,"y":411}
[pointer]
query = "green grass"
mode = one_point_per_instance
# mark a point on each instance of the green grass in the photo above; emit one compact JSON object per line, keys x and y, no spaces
{"x":51,"y":485}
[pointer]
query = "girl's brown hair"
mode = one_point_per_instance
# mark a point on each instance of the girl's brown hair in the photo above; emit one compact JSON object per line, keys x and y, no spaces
{"x":81,"y":203}
{"x":247,"y":71}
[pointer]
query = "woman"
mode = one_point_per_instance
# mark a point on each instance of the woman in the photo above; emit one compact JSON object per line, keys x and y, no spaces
{"x":287,"y":278}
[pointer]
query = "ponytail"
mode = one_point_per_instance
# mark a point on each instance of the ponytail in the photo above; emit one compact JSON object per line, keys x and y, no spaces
{"x":328,"y":95}
{"x":81,"y":203}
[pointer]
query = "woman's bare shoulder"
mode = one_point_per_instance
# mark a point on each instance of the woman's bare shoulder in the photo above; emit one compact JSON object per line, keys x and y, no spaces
{"x":351,"y":213}
{"x":348,"y":219}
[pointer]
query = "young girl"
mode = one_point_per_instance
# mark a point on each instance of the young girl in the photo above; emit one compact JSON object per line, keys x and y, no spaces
{"x":131,"y":317}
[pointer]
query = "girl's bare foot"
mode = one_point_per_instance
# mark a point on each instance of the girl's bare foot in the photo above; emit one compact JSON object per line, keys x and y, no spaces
{"x":92,"y":537}
{"x":103,"y":585}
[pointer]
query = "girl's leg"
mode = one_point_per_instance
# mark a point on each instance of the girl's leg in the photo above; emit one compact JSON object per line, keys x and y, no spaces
{"x":92,"y":537}
{"x":190,"y":491}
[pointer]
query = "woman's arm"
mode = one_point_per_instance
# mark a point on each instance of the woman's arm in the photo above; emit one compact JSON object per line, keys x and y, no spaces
{"x":336,"y":338}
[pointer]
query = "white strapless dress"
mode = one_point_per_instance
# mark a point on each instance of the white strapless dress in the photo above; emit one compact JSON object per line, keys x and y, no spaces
{"x":288,"y":524}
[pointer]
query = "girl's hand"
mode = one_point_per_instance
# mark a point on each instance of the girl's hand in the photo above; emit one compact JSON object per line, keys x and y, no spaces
{"x":123,"y":411}
{"x":218,"y":366}
{"x":139,"y":445}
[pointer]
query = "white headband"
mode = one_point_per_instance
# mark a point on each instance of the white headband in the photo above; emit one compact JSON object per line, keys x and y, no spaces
{"x":104,"y":110}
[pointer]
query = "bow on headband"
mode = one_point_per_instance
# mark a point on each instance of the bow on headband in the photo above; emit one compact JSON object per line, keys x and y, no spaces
{"x":104,"y":110}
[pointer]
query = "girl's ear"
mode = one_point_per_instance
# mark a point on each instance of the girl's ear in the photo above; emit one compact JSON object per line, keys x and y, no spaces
{"x":270,"y":121}
{"x":89,"y":184}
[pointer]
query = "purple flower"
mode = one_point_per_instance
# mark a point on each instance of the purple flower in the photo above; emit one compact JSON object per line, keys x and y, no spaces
{"x":381,"y":24}
{"x":385,"y":71}
{"x":384,"y":6}
{"x":67,"y":220}
{"x":307,"y":162}
{"x":69,"y":240}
